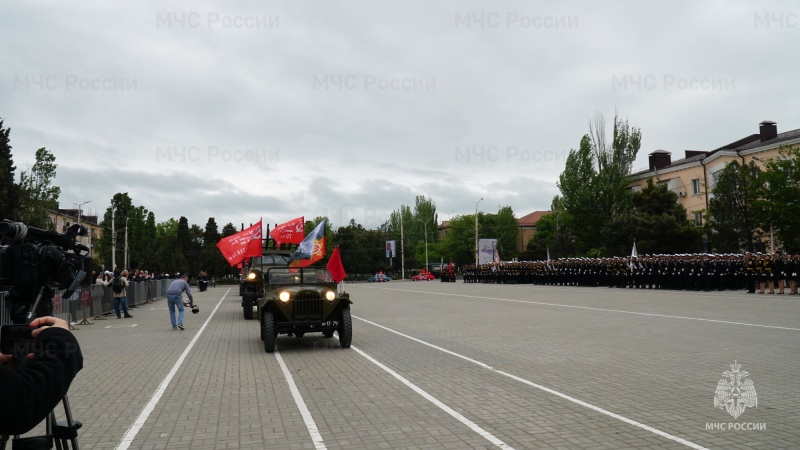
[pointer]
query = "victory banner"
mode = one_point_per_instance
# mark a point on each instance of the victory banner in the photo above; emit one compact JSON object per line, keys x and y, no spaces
{"x":291,"y":232}
{"x":235,"y":248}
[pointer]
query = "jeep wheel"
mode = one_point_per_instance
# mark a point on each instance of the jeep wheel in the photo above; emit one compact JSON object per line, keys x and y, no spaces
{"x":327,"y":333}
{"x":346,"y":329}
{"x":268,"y":331}
{"x":248,"y":310}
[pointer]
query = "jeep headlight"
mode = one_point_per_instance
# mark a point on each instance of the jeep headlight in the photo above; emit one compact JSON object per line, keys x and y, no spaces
{"x":251,"y":276}
{"x":283,"y":296}
{"x":330,"y":295}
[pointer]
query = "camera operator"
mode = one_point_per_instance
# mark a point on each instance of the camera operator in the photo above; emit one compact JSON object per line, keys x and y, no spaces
{"x":35,"y":385}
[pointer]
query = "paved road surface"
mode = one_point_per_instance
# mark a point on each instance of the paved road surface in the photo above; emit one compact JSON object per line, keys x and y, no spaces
{"x":449,"y":366}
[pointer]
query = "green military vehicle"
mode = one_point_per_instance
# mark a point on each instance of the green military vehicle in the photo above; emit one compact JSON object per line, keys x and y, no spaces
{"x":251,"y":282}
{"x":303,"y":300}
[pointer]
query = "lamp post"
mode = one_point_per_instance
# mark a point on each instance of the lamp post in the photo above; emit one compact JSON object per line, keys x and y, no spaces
{"x":113,"y":241}
{"x":425,"y":223}
{"x":79,"y":205}
{"x":476,"y":231}
{"x":127,"y":261}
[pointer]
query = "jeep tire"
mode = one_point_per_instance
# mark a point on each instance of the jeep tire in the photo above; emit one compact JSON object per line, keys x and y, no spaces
{"x":346,"y":329}
{"x":268,"y":333}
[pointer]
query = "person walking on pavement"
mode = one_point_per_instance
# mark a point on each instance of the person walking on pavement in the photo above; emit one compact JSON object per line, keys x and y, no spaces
{"x":175,"y":299}
{"x":119,"y":286}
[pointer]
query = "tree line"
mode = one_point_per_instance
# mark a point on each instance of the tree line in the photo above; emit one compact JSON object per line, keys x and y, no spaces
{"x":595,"y":214}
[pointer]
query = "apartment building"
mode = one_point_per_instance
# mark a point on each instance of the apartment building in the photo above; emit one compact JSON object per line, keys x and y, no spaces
{"x":692,"y":177}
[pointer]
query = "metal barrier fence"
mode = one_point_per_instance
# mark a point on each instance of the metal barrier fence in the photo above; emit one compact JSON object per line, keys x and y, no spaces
{"x":95,"y":301}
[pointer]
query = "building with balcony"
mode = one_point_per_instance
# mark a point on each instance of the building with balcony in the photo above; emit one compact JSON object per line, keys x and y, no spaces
{"x":61,"y":219}
{"x":692,"y":177}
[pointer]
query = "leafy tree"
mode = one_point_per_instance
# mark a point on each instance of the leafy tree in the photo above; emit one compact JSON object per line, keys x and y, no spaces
{"x":414,"y":222}
{"x":212,"y":260}
{"x":37,"y":195}
{"x":362,"y":250}
{"x":502,"y":226}
{"x":140,"y":225}
{"x":732,"y":225}
{"x":458,"y":244}
{"x":779,"y":205}
{"x":228,"y":230}
{"x":657,"y":223}
{"x":594,"y":182}
{"x":9,"y":197}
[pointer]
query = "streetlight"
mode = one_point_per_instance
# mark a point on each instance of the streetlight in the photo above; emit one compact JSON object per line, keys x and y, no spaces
{"x":427,"y":268}
{"x":79,"y":205}
{"x":476,"y":231}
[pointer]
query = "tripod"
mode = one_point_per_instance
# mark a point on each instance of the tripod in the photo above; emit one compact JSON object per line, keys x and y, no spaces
{"x":59,"y":433}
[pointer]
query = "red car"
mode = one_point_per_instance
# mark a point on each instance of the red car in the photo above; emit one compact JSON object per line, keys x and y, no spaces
{"x":423,"y":276}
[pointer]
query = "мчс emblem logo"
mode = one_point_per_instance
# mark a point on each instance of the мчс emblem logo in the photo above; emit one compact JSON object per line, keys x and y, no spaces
{"x":735,"y":392}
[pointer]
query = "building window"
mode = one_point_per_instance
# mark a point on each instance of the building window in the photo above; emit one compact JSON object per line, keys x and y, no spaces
{"x":698,"y":218}
{"x":696,"y":186}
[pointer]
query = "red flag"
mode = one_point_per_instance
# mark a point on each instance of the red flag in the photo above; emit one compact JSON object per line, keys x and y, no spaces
{"x":291,"y":232}
{"x":312,"y":249}
{"x":335,"y":266}
{"x":237,"y":247}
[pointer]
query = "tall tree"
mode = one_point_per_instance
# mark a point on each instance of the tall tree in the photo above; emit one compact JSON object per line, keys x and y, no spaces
{"x":9,"y":197}
{"x":37,"y":194}
{"x":594,"y":181}
{"x":778,"y":208}
{"x":732,"y":225}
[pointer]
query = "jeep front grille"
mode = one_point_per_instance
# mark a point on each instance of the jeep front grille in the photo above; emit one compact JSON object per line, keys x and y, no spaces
{"x":307,"y":305}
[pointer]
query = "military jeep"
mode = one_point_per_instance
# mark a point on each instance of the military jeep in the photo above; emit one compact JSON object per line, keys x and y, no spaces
{"x":251,"y":284}
{"x":303,"y":300}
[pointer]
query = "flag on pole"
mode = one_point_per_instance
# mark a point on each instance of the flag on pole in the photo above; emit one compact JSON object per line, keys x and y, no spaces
{"x":312,"y":249}
{"x":335,"y":266}
{"x":548,"y":257}
{"x":634,"y":256}
{"x":236,"y":247}
{"x":290,"y":232}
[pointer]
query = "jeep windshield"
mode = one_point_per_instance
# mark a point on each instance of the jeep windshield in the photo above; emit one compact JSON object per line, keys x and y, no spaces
{"x":305,"y":275}
{"x":269,"y":260}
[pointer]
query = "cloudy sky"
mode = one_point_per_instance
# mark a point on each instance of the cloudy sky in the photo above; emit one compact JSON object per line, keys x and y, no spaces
{"x":245,"y":109}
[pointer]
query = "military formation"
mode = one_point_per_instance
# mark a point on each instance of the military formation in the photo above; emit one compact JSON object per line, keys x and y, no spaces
{"x":755,"y":272}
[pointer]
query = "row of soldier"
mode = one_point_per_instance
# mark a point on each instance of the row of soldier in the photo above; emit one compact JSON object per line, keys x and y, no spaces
{"x":698,"y":272}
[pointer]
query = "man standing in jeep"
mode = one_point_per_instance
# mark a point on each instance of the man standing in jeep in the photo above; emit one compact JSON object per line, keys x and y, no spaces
{"x":119,"y":287}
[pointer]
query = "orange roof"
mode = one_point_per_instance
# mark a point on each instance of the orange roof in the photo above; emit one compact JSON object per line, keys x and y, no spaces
{"x":531,"y":219}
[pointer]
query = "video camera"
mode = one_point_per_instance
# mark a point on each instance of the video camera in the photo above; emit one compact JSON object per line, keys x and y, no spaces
{"x":32,"y":262}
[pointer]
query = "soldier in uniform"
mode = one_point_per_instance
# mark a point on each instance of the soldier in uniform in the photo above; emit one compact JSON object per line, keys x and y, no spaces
{"x":792,"y":266}
{"x":779,"y":272}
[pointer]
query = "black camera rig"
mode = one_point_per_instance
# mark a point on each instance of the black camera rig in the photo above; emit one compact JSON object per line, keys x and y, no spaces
{"x":32,"y":263}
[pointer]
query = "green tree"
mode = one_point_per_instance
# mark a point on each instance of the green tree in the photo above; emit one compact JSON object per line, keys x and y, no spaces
{"x":139,"y":224}
{"x":778,"y":208}
{"x":732,"y":225}
{"x":502,"y":226}
{"x":458,"y":244}
{"x":37,"y":195}
{"x":229,"y":230}
{"x":9,"y":196}
{"x":212,"y":260}
{"x":657,"y":223}
{"x":594,"y":183}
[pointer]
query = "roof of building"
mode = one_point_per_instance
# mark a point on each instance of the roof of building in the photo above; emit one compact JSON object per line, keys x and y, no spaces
{"x":532,"y":218}
{"x":745,"y":143}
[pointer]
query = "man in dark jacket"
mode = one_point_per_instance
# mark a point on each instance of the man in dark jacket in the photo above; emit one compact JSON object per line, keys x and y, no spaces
{"x":35,"y":385}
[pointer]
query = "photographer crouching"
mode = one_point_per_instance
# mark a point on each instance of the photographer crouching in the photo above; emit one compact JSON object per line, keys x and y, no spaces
{"x":32,"y":385}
